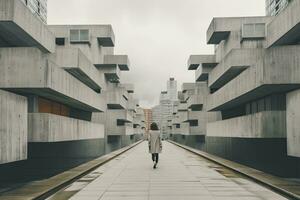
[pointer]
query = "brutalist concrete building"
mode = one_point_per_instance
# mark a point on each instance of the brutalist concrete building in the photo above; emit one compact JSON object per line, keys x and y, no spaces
{"x":54,"y":81}
{"x":191,"y":117}
{"x":253,"y":81}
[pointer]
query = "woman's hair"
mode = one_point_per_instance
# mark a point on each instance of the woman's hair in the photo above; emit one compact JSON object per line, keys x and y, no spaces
{"x":154,"y":127}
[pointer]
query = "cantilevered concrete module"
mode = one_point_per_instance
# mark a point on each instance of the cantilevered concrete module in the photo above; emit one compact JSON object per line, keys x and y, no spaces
{"x":20,"y":28}
{"x":203,"y":64}
{"x":254,"y":85}
{"x":27,"y":71}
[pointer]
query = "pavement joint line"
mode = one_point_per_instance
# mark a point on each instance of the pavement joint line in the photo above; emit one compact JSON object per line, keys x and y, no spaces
{"x":61,"y":180}
{"x":239,"y":169}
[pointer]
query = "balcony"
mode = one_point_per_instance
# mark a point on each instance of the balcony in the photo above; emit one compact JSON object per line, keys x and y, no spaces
{"x":26,"y":71}
{"x":195,"y":102}
{"x":207,"y":61}
{"x":221,"y":28}
{"x":113,"y":129}
{"x":112,"y":74}
{"x":20,"y":28}
{"x":277,"y":72}
{"x":116,"y":98}
{"x":44,"y":127}
{"x":285,"y":28}
{"x":267,"y":124}
{"x":120,"y":61}
{"x":236,"y":61}
{"x":77,"y":64}
{"x":13,"y":127}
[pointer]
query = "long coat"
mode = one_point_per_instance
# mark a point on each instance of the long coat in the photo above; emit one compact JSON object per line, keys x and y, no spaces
{"x":155,"y":145}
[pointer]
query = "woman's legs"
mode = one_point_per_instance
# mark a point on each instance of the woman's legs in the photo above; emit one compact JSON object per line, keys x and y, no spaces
{"x":153,"y":157}
{"x":156,"y":157}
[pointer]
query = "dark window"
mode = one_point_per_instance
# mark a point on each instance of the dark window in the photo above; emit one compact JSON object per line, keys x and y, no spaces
{"x":120,"y":122}
{"x":135,"y":125}
{"x":177,"y":125}
{"x":194,"y":123}
{"x":60,"y":41}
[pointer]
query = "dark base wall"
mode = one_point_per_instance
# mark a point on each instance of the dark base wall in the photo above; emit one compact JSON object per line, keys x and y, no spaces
{"x":114,"y":142}
{"x":48,"y":159}
{"x":269,"y":155}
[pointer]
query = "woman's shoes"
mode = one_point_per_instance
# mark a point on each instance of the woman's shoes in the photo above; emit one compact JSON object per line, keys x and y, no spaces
{"x":155,"y":164}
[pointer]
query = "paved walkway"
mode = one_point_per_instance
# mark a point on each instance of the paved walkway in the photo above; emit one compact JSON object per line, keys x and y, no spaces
{"x":180,"y":175}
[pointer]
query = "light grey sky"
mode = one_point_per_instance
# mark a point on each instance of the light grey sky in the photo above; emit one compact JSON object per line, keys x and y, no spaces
{"x":158,"y":35}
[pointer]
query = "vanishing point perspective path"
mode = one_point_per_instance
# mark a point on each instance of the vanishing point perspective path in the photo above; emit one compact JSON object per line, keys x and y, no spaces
{"x":180,"y":175}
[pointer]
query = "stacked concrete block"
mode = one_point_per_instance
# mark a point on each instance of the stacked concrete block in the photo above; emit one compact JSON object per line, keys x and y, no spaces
{"x":59,"y":87}
{"x":253,"y":82}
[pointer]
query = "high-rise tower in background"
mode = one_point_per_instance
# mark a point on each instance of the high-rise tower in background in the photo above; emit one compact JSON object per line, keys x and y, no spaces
{"x":172,"y":89}
{"x":38,"y":7}
{"x":273,"y":7}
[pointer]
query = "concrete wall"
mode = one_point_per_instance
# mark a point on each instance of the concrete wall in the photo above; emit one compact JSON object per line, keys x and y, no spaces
{"x":293,"y":126}
{"x":284,"y":29}
{"x":267,"y":124}
{"x":93,"y":50}
{"x":13,"y":127}
{"x":19,"y":27}
{"x":26,"y":70}
{"x":277,"y":72}
{"x":235,"y":61}
{"x":43,"y":127}
{"x":76,"y":63}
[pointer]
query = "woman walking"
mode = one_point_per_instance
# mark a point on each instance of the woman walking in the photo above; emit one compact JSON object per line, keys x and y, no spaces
{"x":155,"y":145}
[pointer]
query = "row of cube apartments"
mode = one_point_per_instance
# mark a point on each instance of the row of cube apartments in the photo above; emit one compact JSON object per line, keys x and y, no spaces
{"x":61,"y":90}
{"x":245,"y":102}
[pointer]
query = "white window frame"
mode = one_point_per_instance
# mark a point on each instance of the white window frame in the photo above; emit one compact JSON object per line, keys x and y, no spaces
{"x":244,"y":36}
{"x":79,"y":39}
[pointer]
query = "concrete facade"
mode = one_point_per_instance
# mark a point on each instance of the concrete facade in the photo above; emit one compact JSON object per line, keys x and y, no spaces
{"x":13,"y":127}
{"x":252,"y":85}
{"x":60,"y":93}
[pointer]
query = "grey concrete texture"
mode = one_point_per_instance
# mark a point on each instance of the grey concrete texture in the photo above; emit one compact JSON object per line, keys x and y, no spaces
{"x":19,"y":27}
{"x":27,"y":71}
{"x":284,"y":29}
{"x":111,"y":127}
{"x":77,"y":64}
{"x":112,"y":73}
{"x":221,"y":28}
{"x":236,"y":61}
{"x":276,"y":72}
{"x":115,"y":98}
{"x":292,"y":120}
{"x":13,"y":127}
{"x":122,"y":61}
{"x":94,"y":49}
{"x":267,"y":124}
{"x":44,"y":127}
{"x":201,"y":60}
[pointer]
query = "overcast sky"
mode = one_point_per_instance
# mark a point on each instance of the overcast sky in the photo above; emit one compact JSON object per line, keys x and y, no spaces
{"x":158,"y":35}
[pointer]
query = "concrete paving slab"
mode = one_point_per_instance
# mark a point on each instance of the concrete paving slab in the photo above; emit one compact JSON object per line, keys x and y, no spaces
{"x":181,"y":175}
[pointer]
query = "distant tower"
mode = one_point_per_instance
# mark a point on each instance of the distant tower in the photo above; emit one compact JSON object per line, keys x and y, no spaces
{"x":172,"y":89}
{"x":274,"y":7}
{"x":37,"y":7}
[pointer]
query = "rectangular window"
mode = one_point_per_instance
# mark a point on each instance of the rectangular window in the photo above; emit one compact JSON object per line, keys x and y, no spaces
{"x":120,"y":122}
{"x":254,"y":31}
{"x":194,"y":123}
{"x":60,"y":41}
{"x":79,"y":35}
{"x":177,"y":125}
